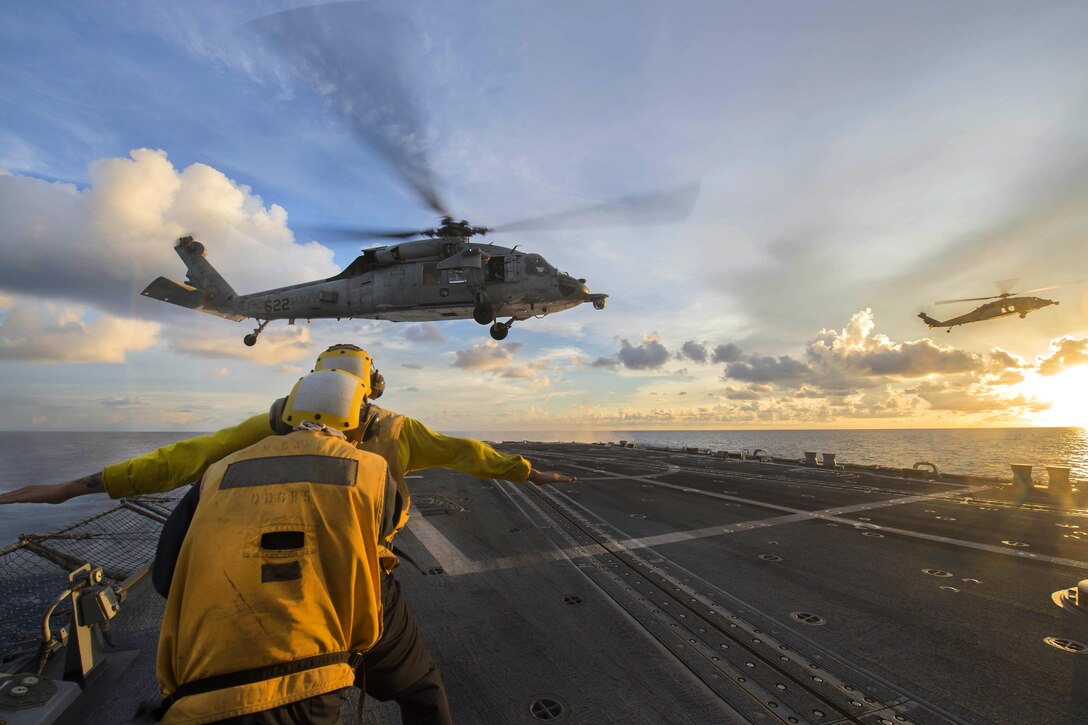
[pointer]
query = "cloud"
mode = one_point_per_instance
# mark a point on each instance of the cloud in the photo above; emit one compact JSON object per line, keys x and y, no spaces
{"x":220,"y":372}
{"x":856,"y":351}
{"x":942,"y":395}
{"x":727,"y":353}
{"x":275,"y":346}
{"x":694,"y":351}
{"x":48,"y":332}
{"x":424,"y":332}
{"x":127,"y":401}
{"x":749,"y":393}
{"x":101,"y":244}
{"x":763,"y":369}
{"x":487,"y":355}
{"x":1064,"y":352}
{"x":649,"y":354}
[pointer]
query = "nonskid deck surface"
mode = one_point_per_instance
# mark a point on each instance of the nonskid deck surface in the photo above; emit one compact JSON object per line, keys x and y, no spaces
{"x":665,"y":587}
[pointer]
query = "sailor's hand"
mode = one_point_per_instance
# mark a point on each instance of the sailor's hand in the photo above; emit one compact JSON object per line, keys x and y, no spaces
{"x":45,"y":493}
{"x":543,"y":478}
{"x":54,"y":492}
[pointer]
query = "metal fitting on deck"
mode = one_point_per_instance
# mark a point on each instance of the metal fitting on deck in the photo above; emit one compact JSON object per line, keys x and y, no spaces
{"x":1073,"y":599}
{"x":933,"y":469}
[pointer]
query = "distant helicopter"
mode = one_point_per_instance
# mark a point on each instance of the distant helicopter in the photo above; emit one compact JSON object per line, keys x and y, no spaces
{"x":1003,"y":305}
{"x":445,"y":275}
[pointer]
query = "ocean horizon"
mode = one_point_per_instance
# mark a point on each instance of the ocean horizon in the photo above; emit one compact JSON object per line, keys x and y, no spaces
{"x":30,"y":457}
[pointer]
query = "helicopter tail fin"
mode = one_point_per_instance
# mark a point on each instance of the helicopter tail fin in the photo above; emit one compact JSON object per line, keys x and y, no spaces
{"x":204,"y":290}
{"x":929,"y":320}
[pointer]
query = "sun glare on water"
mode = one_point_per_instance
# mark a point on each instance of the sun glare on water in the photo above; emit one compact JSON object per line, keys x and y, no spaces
{"x":1067,"y":393}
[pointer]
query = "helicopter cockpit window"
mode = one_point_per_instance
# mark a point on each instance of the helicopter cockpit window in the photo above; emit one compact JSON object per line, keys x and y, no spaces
{"x":535,"y":264}
{"x":430,"y":273}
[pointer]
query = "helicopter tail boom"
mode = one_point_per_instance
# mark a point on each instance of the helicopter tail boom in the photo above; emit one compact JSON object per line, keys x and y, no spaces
{"x":930,"y":321}
{"x":205,"y":289}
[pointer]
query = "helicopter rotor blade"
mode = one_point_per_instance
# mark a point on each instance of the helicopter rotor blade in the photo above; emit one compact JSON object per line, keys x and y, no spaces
{"x":352,"y":56}
{"x":337,"y":235}
{"x":661,"y":207}
{"x":1052,"y":286}
{"x":971,"y":299}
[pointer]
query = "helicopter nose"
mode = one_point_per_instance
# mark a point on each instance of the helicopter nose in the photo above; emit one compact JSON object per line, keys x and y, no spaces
{"x":571,"y":287}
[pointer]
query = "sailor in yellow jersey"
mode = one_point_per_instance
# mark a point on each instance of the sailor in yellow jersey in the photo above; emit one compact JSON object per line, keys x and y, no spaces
{"x":399,"y":666}
{"x":276,"y":592}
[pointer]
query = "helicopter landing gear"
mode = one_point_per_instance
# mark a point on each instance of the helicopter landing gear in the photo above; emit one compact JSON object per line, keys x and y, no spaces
{"x":484,"y":312}
{"x":500,"y":330}
{"x":251,"y":339}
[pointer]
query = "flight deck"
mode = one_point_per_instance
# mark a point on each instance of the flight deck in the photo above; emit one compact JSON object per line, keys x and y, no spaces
{"x":666,"y":586}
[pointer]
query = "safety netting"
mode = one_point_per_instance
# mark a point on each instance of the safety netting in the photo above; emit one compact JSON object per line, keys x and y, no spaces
{"x":34,"y":571}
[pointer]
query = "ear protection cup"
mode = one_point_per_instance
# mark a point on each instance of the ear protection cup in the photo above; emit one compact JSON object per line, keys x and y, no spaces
{"x":377,"y":384}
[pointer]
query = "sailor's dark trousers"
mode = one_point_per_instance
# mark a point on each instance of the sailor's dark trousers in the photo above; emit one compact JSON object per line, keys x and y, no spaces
{"x":400,"y":668}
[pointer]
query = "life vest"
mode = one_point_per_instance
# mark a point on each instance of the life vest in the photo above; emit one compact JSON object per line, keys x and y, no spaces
{"x":378,"y":432}
{"x":278,"y":576}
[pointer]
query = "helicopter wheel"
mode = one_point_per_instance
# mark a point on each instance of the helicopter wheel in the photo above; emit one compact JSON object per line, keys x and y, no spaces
{"x":499,"y":331}
{"x":484,"y":313}
{"x":251,"y":339}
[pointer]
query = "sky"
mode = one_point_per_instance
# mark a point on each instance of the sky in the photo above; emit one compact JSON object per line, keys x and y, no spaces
{"x":855,"y":162}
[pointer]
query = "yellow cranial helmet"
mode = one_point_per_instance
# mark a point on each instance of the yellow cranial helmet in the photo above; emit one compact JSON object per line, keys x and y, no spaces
{"x":325,"y":397}
{"x":354,"y":361}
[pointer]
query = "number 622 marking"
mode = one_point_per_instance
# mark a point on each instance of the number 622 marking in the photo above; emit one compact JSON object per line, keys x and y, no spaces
{"x":280,"y":305}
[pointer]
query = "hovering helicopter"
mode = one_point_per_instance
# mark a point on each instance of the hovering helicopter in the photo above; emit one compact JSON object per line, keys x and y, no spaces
{"x":443,"y":276}
{"x":1003,"y":305}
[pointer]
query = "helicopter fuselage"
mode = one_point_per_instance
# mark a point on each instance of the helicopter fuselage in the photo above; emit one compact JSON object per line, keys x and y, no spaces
{"x":423,"y":280}
{"x":991,"y":310}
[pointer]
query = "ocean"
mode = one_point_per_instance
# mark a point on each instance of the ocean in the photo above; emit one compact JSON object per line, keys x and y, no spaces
{"x":35,"y":457}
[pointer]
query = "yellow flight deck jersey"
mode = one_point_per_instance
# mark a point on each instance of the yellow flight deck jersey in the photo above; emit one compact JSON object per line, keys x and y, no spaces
{"x":278,"y":578}
{"x":416,"y":447}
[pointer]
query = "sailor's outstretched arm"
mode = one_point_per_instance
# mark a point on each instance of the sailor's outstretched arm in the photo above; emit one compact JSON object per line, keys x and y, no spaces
{"x":420,"y":447}
{"x":55,"y":492}
{"x":163,"y":469}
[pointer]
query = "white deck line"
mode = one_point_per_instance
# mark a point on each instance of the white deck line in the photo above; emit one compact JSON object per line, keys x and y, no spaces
{"x":455,"y":563}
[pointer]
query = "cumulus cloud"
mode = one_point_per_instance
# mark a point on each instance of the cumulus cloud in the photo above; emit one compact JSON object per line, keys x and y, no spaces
{"x":942,"y":395}
{"x":763,"y":369}
{"x":856,"y":351}
{"x":732,"y":393}
{"x":274,"y":348}
{"x":694,"y":351}
{"x":101,"y":244}
{"x":727,"y":353}
{"x":647,"y":355}
{"x":487,"y":355}
{"x":424,"y":332}
{"x":48,"y":332}
{"x":1064,"y":352}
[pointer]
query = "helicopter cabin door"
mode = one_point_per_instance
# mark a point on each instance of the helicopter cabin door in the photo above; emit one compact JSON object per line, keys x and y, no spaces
{"x":504,"y":268}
